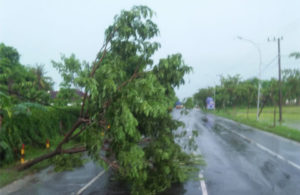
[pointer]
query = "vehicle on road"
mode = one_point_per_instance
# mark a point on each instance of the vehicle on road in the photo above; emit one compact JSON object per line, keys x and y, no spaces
{"x":178,"y":105}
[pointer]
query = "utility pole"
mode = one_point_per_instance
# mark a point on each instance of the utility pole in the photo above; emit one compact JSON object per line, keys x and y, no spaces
{"x":279,"y":76}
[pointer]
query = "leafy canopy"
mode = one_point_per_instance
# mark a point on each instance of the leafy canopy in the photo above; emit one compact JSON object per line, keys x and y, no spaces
{"x":21,"y":82}
{"x":126,"y":103}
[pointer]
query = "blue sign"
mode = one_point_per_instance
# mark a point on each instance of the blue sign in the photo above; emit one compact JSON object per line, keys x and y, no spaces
{"x":210,"y":103}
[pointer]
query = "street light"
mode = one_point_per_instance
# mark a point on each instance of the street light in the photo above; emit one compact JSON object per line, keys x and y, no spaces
{"x":259,"y":72}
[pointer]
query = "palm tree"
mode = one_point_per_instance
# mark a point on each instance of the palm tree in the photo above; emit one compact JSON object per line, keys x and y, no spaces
{"x":43,"y":82}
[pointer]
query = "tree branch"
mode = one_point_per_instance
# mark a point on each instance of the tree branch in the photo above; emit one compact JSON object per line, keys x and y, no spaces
{"x":96,"y":64}
{"x":77,"y":124}
{"x":70,"y":132}
{"x":112,"y":164}
{"x":37,"y":160}
{"x":133,"y":76}
{"x":50,"y":155}
{"x":81,"y":130}
{"x":74,"y":150}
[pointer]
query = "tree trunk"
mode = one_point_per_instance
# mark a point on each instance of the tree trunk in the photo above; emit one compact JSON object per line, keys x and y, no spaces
{"x":262,"y":106}
{"x":58,"y":149}
{"x":274,"y":119}
{"x":37,"y":160}
{"x":274,"y":114}
{"x":248,"y":110}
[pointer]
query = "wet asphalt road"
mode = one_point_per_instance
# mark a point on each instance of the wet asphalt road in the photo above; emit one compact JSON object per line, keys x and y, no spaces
{"x":235,"y":166}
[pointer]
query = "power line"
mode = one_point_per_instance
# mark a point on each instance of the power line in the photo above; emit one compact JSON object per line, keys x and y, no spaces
{"x":270,"y":63}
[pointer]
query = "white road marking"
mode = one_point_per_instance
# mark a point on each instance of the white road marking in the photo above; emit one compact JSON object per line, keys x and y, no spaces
{"x":260,"y":131}
{"x":267,"y":150}
{"x":91,"y":182}
{"x":202,"y":185}
{"x":202,"y":181}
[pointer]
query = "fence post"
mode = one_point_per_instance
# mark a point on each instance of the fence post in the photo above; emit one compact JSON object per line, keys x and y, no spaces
{"x":47,"y":144}
{"x":23,"y":154}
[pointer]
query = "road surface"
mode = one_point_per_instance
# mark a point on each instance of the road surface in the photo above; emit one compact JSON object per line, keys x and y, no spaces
{"x":240,"y":160}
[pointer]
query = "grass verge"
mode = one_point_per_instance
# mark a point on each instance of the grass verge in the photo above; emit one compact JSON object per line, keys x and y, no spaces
{"x":8,"y":173}
{"x":280,"y":130}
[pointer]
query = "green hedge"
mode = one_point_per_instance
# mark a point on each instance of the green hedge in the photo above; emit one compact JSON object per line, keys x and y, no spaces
{"x":33,"y":128}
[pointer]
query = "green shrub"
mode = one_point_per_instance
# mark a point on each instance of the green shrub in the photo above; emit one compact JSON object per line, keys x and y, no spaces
{"x":33,"y":128}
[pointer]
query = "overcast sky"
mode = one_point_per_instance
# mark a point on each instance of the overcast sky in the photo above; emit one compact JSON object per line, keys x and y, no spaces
{"x":205,"y":32}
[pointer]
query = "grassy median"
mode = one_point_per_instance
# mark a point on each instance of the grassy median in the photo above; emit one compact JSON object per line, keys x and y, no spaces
{"x":289,"y":128}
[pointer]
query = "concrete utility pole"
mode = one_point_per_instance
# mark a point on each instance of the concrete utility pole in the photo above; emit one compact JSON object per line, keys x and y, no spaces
{"x":259,"y":72}
{"x":279,"y":76}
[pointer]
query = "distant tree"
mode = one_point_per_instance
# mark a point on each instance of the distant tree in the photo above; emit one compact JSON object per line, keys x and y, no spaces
{"x":248,"y":94}
{"x":71,"y":69}
{"x":67,"y":96}
{"x":291,"y":84}
{"x":9,"y":56}
{"x":201,"y":95}
{"x":41,"y":81}
{"x":11,"y":70}
{"x":229,"y":90}
{"x":295,"y":55}
{"x":189,"y":103}
{"x":20,"y":82}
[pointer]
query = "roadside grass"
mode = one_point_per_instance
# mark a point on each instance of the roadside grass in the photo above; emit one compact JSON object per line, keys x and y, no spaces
{"x":291,"y":114}
{"x":9,"y":173}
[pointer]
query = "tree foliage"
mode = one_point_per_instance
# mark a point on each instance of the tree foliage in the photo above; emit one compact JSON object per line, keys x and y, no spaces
{"x":30,"y":124}
{"x":22,"y":83}
{"x":234,"y":91}
{"x":295,"y":55}
{"x":23,"y":90}
{"x":291,"y":80}
{"x":124,"y":110}
{"x":189,"y":103}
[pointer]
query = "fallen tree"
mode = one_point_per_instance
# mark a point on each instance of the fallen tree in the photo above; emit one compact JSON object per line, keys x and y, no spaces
{"x":124,"y":110}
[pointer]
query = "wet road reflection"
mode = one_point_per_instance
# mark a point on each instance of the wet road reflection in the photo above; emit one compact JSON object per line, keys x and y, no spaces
{"x":237,"y":166}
